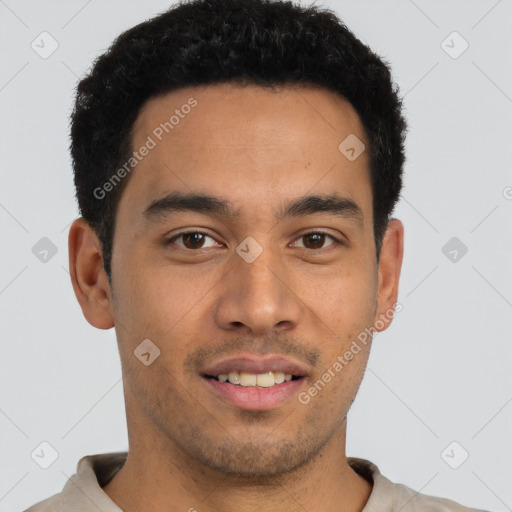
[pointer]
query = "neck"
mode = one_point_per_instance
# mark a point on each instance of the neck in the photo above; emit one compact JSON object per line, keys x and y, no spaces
{"x":158,"y":477}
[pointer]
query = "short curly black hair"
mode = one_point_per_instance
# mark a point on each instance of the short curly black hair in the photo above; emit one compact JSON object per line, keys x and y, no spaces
{"x":202,"y":42}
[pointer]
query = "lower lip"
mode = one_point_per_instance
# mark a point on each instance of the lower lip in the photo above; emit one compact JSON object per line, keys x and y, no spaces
{"x":252,"y":398}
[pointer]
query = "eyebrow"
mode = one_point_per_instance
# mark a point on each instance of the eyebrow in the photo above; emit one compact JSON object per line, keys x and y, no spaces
{"x":210,"y":205}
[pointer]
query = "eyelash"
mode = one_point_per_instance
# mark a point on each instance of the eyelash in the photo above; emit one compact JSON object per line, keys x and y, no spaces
{"x":195,"y":231}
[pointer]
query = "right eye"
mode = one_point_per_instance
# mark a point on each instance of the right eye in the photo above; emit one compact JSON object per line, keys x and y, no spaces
{"x":192,"y":240}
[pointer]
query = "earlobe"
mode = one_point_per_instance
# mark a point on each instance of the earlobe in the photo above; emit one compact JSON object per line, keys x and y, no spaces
{"x":88,"y":277}
{"x":390,"y":265}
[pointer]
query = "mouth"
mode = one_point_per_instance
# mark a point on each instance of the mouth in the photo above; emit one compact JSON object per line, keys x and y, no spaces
{"x":260,"y":380}
{"x":256,"y":384}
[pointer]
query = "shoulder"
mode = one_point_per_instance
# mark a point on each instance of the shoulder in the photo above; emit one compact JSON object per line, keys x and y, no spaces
{"x":408,"y":500}
{"x":83,"y":490}
{"x":387,"y":496}
{"x":51,"y":504}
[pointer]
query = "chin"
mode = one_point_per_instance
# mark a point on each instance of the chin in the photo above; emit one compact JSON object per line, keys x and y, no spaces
{"x":256,"y":460}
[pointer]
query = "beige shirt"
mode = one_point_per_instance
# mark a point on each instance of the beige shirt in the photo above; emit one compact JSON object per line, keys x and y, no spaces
{"x":83,"y":491}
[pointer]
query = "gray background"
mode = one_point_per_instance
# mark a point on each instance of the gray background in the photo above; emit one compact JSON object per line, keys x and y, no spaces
{"x":441,"y":373}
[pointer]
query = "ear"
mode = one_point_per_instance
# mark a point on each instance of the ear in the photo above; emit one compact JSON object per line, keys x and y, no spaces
{"x":390,"y":264}
{"x":88,"y":277}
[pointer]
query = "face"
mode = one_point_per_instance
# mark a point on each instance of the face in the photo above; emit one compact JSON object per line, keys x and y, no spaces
{"x":244,"y":242}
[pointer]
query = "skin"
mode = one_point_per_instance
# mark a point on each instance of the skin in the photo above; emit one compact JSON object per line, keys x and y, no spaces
{"x":301,"y":298}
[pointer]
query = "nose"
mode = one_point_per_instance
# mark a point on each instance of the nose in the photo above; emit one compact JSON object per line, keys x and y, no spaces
{"x":258,"y":298}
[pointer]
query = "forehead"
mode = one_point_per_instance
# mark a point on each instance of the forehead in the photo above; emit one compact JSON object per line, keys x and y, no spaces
{"x":250,"y":144}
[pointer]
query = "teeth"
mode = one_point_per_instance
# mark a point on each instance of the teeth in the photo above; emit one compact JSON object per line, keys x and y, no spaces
{"x":262,"y":380}
{"x":265,"y":380}
{"x":248,"y":379}
{"x":279,"y":377}
{"x":233,"y":377}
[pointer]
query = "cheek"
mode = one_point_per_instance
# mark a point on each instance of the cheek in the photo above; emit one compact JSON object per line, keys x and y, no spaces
{"x":331,"y":392}
{"x":175,"y":297}
{"x":154,"y":292}
{"x":342,"y":298}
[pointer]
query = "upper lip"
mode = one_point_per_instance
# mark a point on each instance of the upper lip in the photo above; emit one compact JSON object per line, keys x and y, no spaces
{"x":256,"y":365}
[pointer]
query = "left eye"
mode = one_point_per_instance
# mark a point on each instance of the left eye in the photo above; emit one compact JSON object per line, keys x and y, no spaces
{"x":315,"y":240}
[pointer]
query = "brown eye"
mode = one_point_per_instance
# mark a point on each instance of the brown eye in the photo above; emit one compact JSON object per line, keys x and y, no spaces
{"x":315,"y":240}
{"x":193,"y":240}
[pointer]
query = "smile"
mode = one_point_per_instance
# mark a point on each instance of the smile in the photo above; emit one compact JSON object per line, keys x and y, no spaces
{"x":260,"y":380}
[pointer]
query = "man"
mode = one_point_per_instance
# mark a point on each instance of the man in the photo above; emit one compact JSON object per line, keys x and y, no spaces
{"x":236,"y":165}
